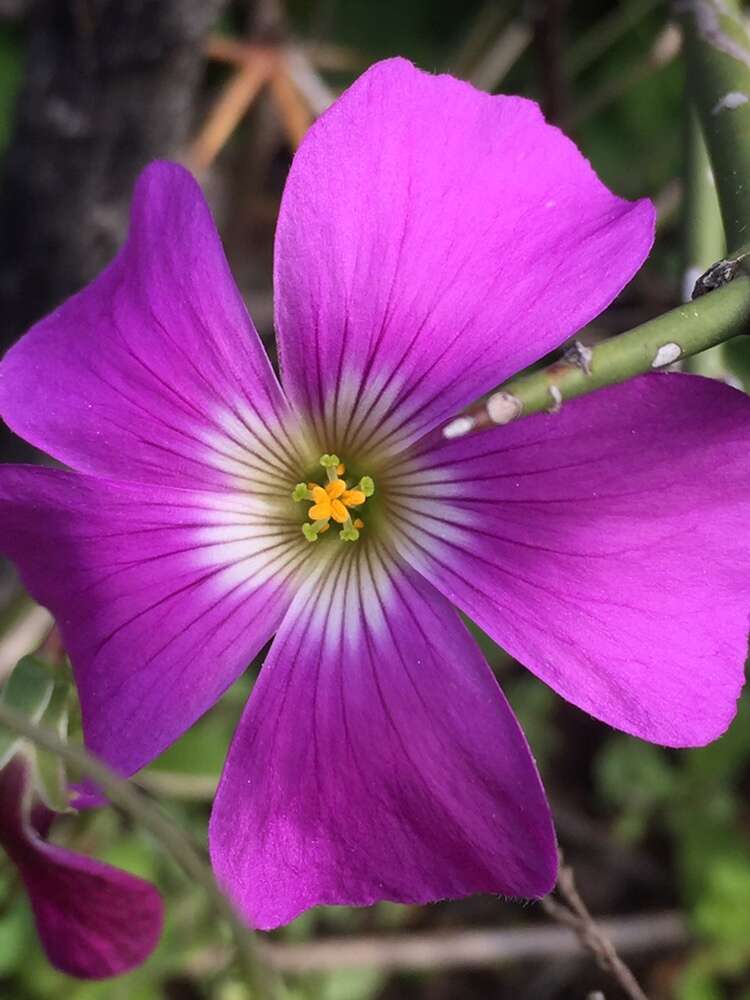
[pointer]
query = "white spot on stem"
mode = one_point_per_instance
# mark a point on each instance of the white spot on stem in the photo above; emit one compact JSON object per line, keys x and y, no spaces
{"x":666,"y":355}
{"x":502,"y":407}
{"x":734,"y":99}
{"x":557,"y":399}
{"x":458,"y":427}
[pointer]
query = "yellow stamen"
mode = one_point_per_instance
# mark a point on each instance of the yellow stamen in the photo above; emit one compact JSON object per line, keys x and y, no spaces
{"x":333,"y":501}
{"x":321,"y":509}
{"x":339,"y":512}
{"x":336,"y":489}
{"x":353,"y":498}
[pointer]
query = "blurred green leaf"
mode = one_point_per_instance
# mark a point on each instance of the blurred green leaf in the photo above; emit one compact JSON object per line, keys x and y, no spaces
{"x":50,"y":773}
{"x":350,"y":984}
{"x":11,"y":65}
{"x":534,"y":706}
{"x":15,"y":927}
{"x":637,"y":780}
{"x":725,"y":758}
{"x":698,"y":982}
{"x":722,"y":914}
{"x":28,"y":691}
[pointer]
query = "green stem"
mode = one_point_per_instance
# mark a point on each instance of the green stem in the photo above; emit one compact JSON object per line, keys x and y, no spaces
{"x":717,"y":53}
{"x":702,"y":232}
{"x":684,"y":331}
{"x":173,"y":839}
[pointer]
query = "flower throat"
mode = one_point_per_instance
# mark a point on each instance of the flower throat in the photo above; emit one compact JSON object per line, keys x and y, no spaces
{"x":335,"y":500}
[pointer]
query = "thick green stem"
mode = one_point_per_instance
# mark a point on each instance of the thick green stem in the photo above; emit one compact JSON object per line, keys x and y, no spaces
{"x":703,"y":240}
{"x":702,"y":232}
{"x":177,"y":844}
{"x":717,"y":52}
{"x":679,"y":333}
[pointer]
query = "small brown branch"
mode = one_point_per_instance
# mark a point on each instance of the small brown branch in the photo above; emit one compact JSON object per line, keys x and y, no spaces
{"x":473,"y":948}
{"x":308,"y":81}
{"x":336,"y":58}
{"x":502,"y":55}
{"x":225,"y":48}
{"x":293,"y":110}
{"x":574,"y":914}
{"x":298,"y":92}
{"x":233,"y":102}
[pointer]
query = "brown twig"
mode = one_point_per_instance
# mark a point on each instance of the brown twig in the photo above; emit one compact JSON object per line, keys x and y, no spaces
{"x":472,"y":948}
{"x":307,"y":80}
{"x":490,"y":71}
{"x":293,"y":110}
{"x":298,"y":92}
{"x":225,"y":48}
{"x":573,"y":913}
{"x":233,"y":102}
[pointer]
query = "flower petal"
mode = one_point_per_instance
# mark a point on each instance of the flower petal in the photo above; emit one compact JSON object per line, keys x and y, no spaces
{"x":377,"y":759}
{"x":93,"y":920}
{"x":163,"y":596}
{"x":153,"y":372}
{"x":606,"y":547}
{"x":432,"y":241}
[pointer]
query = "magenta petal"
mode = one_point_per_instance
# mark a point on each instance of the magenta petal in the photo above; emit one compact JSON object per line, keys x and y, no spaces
{"x":153,"y":372}
{"x":607,"y":548}
{"x":432,"y":241}
{"x":93,"y":920}
{"x":377,"y":759}
{"x":163,"y":596}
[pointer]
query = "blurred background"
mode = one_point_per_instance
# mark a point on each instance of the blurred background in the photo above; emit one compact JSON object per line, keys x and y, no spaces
{"x":90,"y":91}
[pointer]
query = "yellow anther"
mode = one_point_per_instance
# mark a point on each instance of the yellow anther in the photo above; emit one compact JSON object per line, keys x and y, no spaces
{"x":321,"y":509}
{"x":353,"y":498}
{"x":359,"y":523}
{"x":340,"y":469}
{"x":339,"y":512}
{"x":336,"y":489}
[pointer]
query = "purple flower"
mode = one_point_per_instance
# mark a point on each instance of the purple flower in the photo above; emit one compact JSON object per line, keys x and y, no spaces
{"x":432,"y":241}
{"x":93,"y":920}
